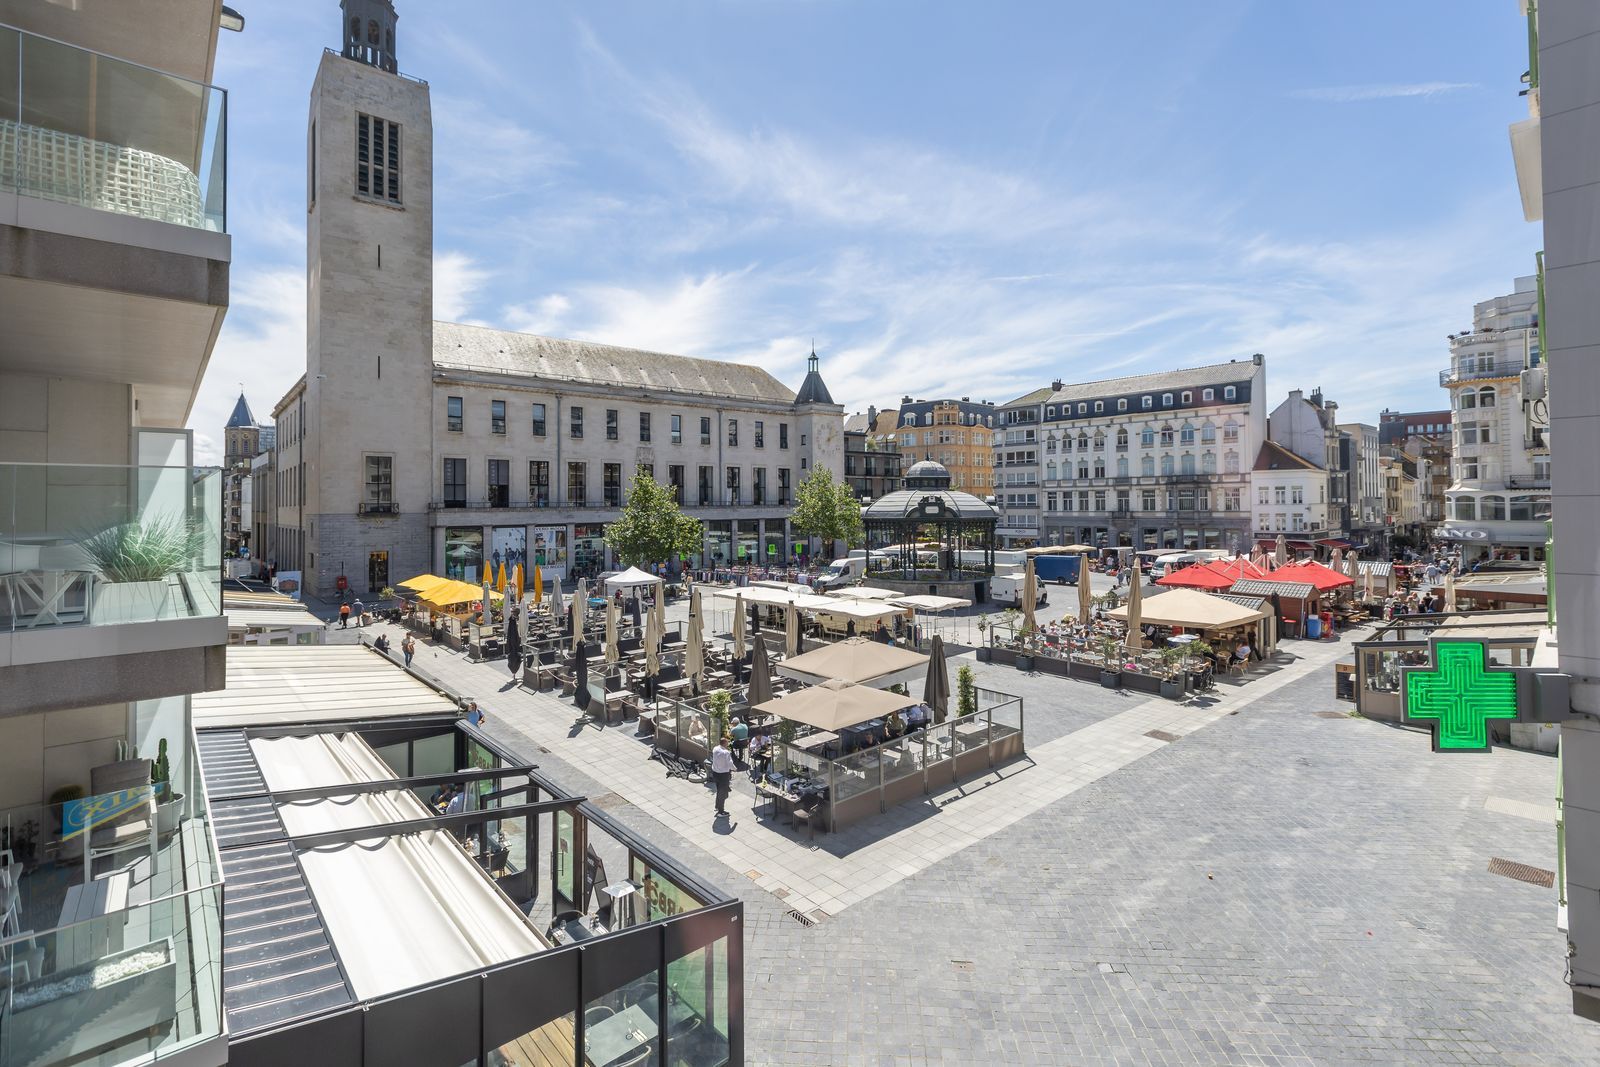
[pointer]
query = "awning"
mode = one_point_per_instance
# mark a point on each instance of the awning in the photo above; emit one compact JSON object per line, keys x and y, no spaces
{"x":1285,"y":587}
{"x":1191,"y":609}
{"x":314,"y":684}
{"x":835,"y":704}
{"x":864,"y":592}
{"x":858,"y":660}
{"x":929,"y":602}
{"x":448,"y":593}
{"x":242,"y":620}
{"x":632,"y":578}
{"x":1334,"y":542}
{"x":1324,"y":578}
{"x":774,"y":598}
{"x":859,"y":609}
{"x":1197,"y":576}
{"x":440,"y":917}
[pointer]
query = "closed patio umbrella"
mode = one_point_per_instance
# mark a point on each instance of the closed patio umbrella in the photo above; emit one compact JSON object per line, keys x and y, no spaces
{"x":652,"y":647}
{"x":661,"y":609}
{"x":1370,"y":582}
{"x":488,"y":573}
{"x":580,"y":604}
{"x":1280,"y":552}
{"x":936,"y":689}
{"x":760,"y":676}
{"x":555,"y":600}
{"x":738,"y":627}
{"x":538,"y":585}
{"x":1450,"y":592}
{"x":516,"y":580}
{"x":1085,"y":589}
{"x":1135,"y":640}
{"x":694,"y":658}
{"x":1030,"y":587}
{"x":611,"y":630}
{"x":791,"y":630}
{"x":1336,"y":561}
{"x":580,"y":675}
{"x":514,"y":646}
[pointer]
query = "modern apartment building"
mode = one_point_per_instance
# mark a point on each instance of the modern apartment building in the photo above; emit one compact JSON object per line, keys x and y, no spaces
{"x":1152,"y":461}
{"x":871,"y":457}
{"x":955,"y":433}
{"x":1499,"y":498}
{"x":1395,"y":426}
{"x":420,"y":446}
{"x":114,"y":270}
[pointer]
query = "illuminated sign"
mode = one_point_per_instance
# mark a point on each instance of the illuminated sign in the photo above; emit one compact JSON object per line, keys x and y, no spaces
{"x":1458,"y":696}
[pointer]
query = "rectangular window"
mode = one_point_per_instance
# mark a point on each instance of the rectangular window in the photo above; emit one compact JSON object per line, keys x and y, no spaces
{"x":612,"y":475}
{"x":705,"y":429}
{"x":453,"y":418}
{"x":644,"y":427}
{"x":1261,"y":494}
{"x":733,"y":485}
{"x":761,"y":434}
{"x":677,"y":429}
{"x":783,"y":435}
{"x":1297,"y":495}
{"x":499,"y":483}
{"x":377,"y":158}
{"x":760,"y":488}
{"x":1278,"y":494}
{"x":538,"y":420}
{"x":733,"y":433}
{"x":577,"y":484}
{"x":783,"y":486}
{"x":675,"y":476}
{"x":705,"y":486}
{"x":539,"y":483}
{"x":1147,"y":499}
{"x":576,"y":430}
{"x":380,"y":480}
{"x":497,"y":417}
{"x":611,"y":424}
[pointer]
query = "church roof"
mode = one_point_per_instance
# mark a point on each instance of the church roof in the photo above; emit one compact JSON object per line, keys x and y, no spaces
{"x":813,"y":390}
{"x":241,"y":417}
{"x":460,"y":347}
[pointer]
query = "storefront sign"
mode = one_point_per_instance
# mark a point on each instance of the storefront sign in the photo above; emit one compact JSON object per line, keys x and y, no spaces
{"x":1461,"y":533}
{"x":1458,"y":695}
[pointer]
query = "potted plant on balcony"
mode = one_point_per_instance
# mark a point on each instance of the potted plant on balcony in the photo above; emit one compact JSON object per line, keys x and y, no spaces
{"x":134,"y":561}
{"x":984,"y":652}
{"x":1111,"y":662}
{"x":169,"y":803}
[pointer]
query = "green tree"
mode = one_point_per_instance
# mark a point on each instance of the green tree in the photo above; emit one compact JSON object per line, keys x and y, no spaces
{"x":651,"y":529}
{"x":827,"y":509}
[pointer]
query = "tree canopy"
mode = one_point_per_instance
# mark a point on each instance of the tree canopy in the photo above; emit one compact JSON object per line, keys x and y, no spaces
{"x":650,"y":528}
{"x":827,"y":509}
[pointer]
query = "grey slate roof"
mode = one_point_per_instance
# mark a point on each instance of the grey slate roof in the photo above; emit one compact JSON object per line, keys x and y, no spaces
{"x":813,"y":390}
{"x":241,"y":416}
{"x":460,"y":347}
{"x":1267,"y":587}
{"x":1211,"y":374}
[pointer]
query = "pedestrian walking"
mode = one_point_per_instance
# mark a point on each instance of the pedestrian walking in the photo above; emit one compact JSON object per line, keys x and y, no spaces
{"x":408,"y":648}
{"x":344,"y":616}
{"x":360,"y":611}
{"x":722,"y":771}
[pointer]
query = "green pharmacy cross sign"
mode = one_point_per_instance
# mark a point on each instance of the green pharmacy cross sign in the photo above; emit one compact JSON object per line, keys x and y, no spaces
{"x":1458,"y":696}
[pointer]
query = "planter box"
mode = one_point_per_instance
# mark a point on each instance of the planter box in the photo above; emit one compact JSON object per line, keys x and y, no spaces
{"x":1007,"y":656}
{"x":1171,"y":690}
{"x":1111,"y":679}
{"x":1141,"y":683}
{"x":1024,"y":662}
{"x":119,"y":602}
{"x":984,"y":654}
{"x":1052,"y":665}
{"x":1088,"y":672}
{"x":78,"y":1022}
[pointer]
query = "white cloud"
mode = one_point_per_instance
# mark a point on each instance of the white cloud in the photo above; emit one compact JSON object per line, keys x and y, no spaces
{"x":1349,"y":94}
{"x":457,"y":280}
{"x":262,"y":350}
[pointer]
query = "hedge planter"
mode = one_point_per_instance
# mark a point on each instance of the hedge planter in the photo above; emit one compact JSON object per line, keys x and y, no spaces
{"x":1025,"y":662}
{"x":1172,"y":688}
{"x":1007,"y":656}
{"x":985,"y":654}
{"x":1111,"y":679}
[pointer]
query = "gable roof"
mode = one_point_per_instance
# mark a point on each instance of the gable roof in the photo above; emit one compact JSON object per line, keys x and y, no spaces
{"x":1274,"y":457}
{"x":462,"y":347}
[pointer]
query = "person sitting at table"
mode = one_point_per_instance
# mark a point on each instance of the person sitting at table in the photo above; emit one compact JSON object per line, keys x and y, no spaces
{"x":893,"y":726}
{"x":918,"y":716}
{"x":760,"y":755}
{"x":1242,"y":653}
{"x":741,"y":738}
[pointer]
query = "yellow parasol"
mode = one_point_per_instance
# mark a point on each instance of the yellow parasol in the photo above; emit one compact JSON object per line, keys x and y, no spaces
{"x":500,"y":579}
{"x":538,"y":585}
{"x":488,"y":574}
{"x":516,"y":581}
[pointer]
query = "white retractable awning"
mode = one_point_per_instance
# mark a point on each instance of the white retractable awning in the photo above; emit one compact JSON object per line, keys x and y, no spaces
{"x":312,"y":684}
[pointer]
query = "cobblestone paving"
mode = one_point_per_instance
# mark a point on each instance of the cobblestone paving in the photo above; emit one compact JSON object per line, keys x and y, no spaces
{"x":1273,"y":888}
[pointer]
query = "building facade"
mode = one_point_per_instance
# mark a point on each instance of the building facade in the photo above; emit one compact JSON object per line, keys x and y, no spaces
{"x":1150,"y":461}
{"x":418,"y":446}
{"x":957,"y":434}
{"x":871,"y":457}
{"x":115,"y":259}
{"x":1401,"y":497}
{"x":1394,"y":427}
{"x":1499,"y":498}
{"x":1290,"y":499}
{"x":243,"y":439}
{"x":1359,"y":455}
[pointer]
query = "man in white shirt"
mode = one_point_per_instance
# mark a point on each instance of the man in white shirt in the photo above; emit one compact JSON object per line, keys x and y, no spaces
{"x":722,"y":771}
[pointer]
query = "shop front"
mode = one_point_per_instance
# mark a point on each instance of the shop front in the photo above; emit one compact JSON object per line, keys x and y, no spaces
{"x":719,"y":542}
{"x":549,"y":550}
{"x":588,"y":549}
{"x":748,"y":547}
{"x":463,"y":553}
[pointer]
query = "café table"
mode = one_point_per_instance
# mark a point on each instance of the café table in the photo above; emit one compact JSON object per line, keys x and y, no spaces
{"x":813,"y":742}
{"x":776,"y":796}
{"x":618,"y":1036}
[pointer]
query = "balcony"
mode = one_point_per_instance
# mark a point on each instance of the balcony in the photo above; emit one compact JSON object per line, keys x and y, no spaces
{"x":115,"y":174}
{"x":1499,"y":370}
{"x":97,"y":563}
{"x":133,"y":975}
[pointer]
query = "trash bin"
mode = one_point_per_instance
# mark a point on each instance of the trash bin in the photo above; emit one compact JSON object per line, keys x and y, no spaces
{"x":1313,"y":627}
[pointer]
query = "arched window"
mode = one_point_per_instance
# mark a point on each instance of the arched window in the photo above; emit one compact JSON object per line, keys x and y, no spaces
{"x":1147,"y":402}
{"x":1491,"y":507}
{"x":1166,"y":436}
{"x":1230,"y":463}
{"x":1166,"y":400}
{"x":1230,"y":430}
{"x":1147,"y":437}
{"x":1066,"y":471}
{"x":1187,"y":466}
{"x":1099,"y":441}
{"x":372,"y":32}
{"x":1166,"y":464}
{"x":1099,"y":467}
{"x":1486,"y":397}
{"x":1188,"y":397}
{"x":1186,"y":435}
{"x":1122,"y":466}
{"x":1083,"y":442}
{"x":355,"y":31}
{"x":1208,"y":434}
{"x":1122,"y":439}
{"x":1050,"y":444}
{"x":1208,"y":463}
{"x":1050,"y":470}
{"x":1050,"y":412}
{"x":1147,"y":466}
{"x":908,"y":419}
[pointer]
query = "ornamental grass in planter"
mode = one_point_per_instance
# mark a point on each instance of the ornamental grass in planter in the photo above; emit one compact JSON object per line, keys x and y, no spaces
{"x":134,"y":561}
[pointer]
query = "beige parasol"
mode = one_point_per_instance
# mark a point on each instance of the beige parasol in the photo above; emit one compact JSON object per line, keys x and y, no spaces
{"x":1030,"y":587}
{"x":791,"y":630}
{"x":1280,"y":552}
{"x":694,"y":659}
{"x":652,"y":646}
{"x":580,"y":603}
{"x":1085,"y":589}
{"x":1449,"y":592}
{"x":1135,"y":639}
{"x":611,"y":630}
{"x":738,"y":627}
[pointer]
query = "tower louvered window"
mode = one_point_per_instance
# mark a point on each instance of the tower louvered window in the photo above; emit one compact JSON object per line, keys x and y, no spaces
{"x":378,"y":158}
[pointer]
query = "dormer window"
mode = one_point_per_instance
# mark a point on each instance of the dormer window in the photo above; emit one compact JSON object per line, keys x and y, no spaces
{"x":1166,"y":400}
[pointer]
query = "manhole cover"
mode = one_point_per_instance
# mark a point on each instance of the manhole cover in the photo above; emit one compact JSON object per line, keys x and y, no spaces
{"x":1522,"y":872}
{"x":961,"y":965}
{"x":1161,"y":735}
{"x":1332,"y":715}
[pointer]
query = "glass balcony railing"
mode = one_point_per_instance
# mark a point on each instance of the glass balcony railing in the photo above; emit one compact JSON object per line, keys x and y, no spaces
{"x":131,"y":971}
{"x":84,"y":128}
{"x":99,"y":546}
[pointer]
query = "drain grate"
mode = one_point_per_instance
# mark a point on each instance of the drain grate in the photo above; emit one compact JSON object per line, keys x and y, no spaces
{"x":1522,"y":872}
{"x":961,"y":965}
{"x":1161,"y":735}
{"x":801,"y":918}
{"x":1332,"y":715}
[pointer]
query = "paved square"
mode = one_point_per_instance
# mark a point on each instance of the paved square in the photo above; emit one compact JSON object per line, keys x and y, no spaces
{"x":1271,"y":887}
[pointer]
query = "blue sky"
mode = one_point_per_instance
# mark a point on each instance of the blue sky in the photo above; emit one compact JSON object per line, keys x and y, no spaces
{"x":961,"y":199}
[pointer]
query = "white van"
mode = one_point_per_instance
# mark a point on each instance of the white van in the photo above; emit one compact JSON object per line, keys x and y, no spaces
{"x":1007,"y":589}
{"x":843,"y":572}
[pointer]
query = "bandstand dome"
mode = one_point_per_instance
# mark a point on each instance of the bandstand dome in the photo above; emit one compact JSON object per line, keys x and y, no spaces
{"x":925,"y":515}
{"x":926,"y":496}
